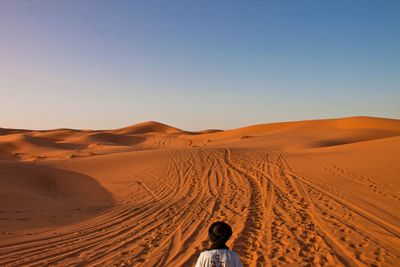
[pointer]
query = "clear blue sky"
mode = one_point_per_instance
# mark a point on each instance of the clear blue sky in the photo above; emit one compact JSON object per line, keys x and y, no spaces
{"x":196,"y":64}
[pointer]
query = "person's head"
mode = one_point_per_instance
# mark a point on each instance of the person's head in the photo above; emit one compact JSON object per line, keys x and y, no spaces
{"x":219,"y":233}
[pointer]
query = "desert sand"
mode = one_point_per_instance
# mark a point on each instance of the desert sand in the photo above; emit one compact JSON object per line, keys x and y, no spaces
{"x":306,"y":193}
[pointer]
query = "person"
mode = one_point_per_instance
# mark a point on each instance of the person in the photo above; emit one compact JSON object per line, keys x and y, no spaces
{"x":219,"y":254}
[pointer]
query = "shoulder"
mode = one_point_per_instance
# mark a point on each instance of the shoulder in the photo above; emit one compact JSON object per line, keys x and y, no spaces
{"x":207,"y":253}
{"x":229,"y":253}
{"x":204,"y":258}
{"x":211,"y":253}
{"x":235,"y":258}
{"x":233,"y":253}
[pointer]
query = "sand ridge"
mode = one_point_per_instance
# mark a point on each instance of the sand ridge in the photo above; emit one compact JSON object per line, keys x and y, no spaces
{"x":309,"y":193}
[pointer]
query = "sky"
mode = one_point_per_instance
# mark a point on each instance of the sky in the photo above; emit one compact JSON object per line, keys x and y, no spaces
{"x":196,"y":64}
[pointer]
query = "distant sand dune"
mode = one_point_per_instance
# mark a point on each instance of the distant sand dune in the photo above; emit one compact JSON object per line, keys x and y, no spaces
{"x":147,"y":127}
{"x":308,"y":193}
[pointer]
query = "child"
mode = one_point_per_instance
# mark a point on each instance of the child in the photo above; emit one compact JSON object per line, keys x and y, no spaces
{"x":219,"y":254}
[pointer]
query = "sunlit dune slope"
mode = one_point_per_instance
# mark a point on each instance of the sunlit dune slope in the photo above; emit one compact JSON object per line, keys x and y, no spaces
{"x":316,"y":133}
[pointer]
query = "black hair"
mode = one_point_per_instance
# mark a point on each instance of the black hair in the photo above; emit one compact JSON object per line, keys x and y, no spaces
{"x":219,"y":233}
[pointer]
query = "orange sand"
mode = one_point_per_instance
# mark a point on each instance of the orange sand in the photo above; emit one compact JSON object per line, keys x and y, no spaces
{"x":308,"y":193}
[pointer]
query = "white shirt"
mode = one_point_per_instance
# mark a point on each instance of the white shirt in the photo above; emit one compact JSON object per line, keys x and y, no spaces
{"x":218,"y":258}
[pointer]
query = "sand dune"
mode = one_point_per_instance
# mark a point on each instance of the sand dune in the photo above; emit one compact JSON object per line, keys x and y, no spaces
{"x":308,"y":193}
{"x":147,"y":127}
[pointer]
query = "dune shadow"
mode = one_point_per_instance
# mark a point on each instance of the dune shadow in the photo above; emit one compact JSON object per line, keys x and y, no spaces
{"x":56,"y":193}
